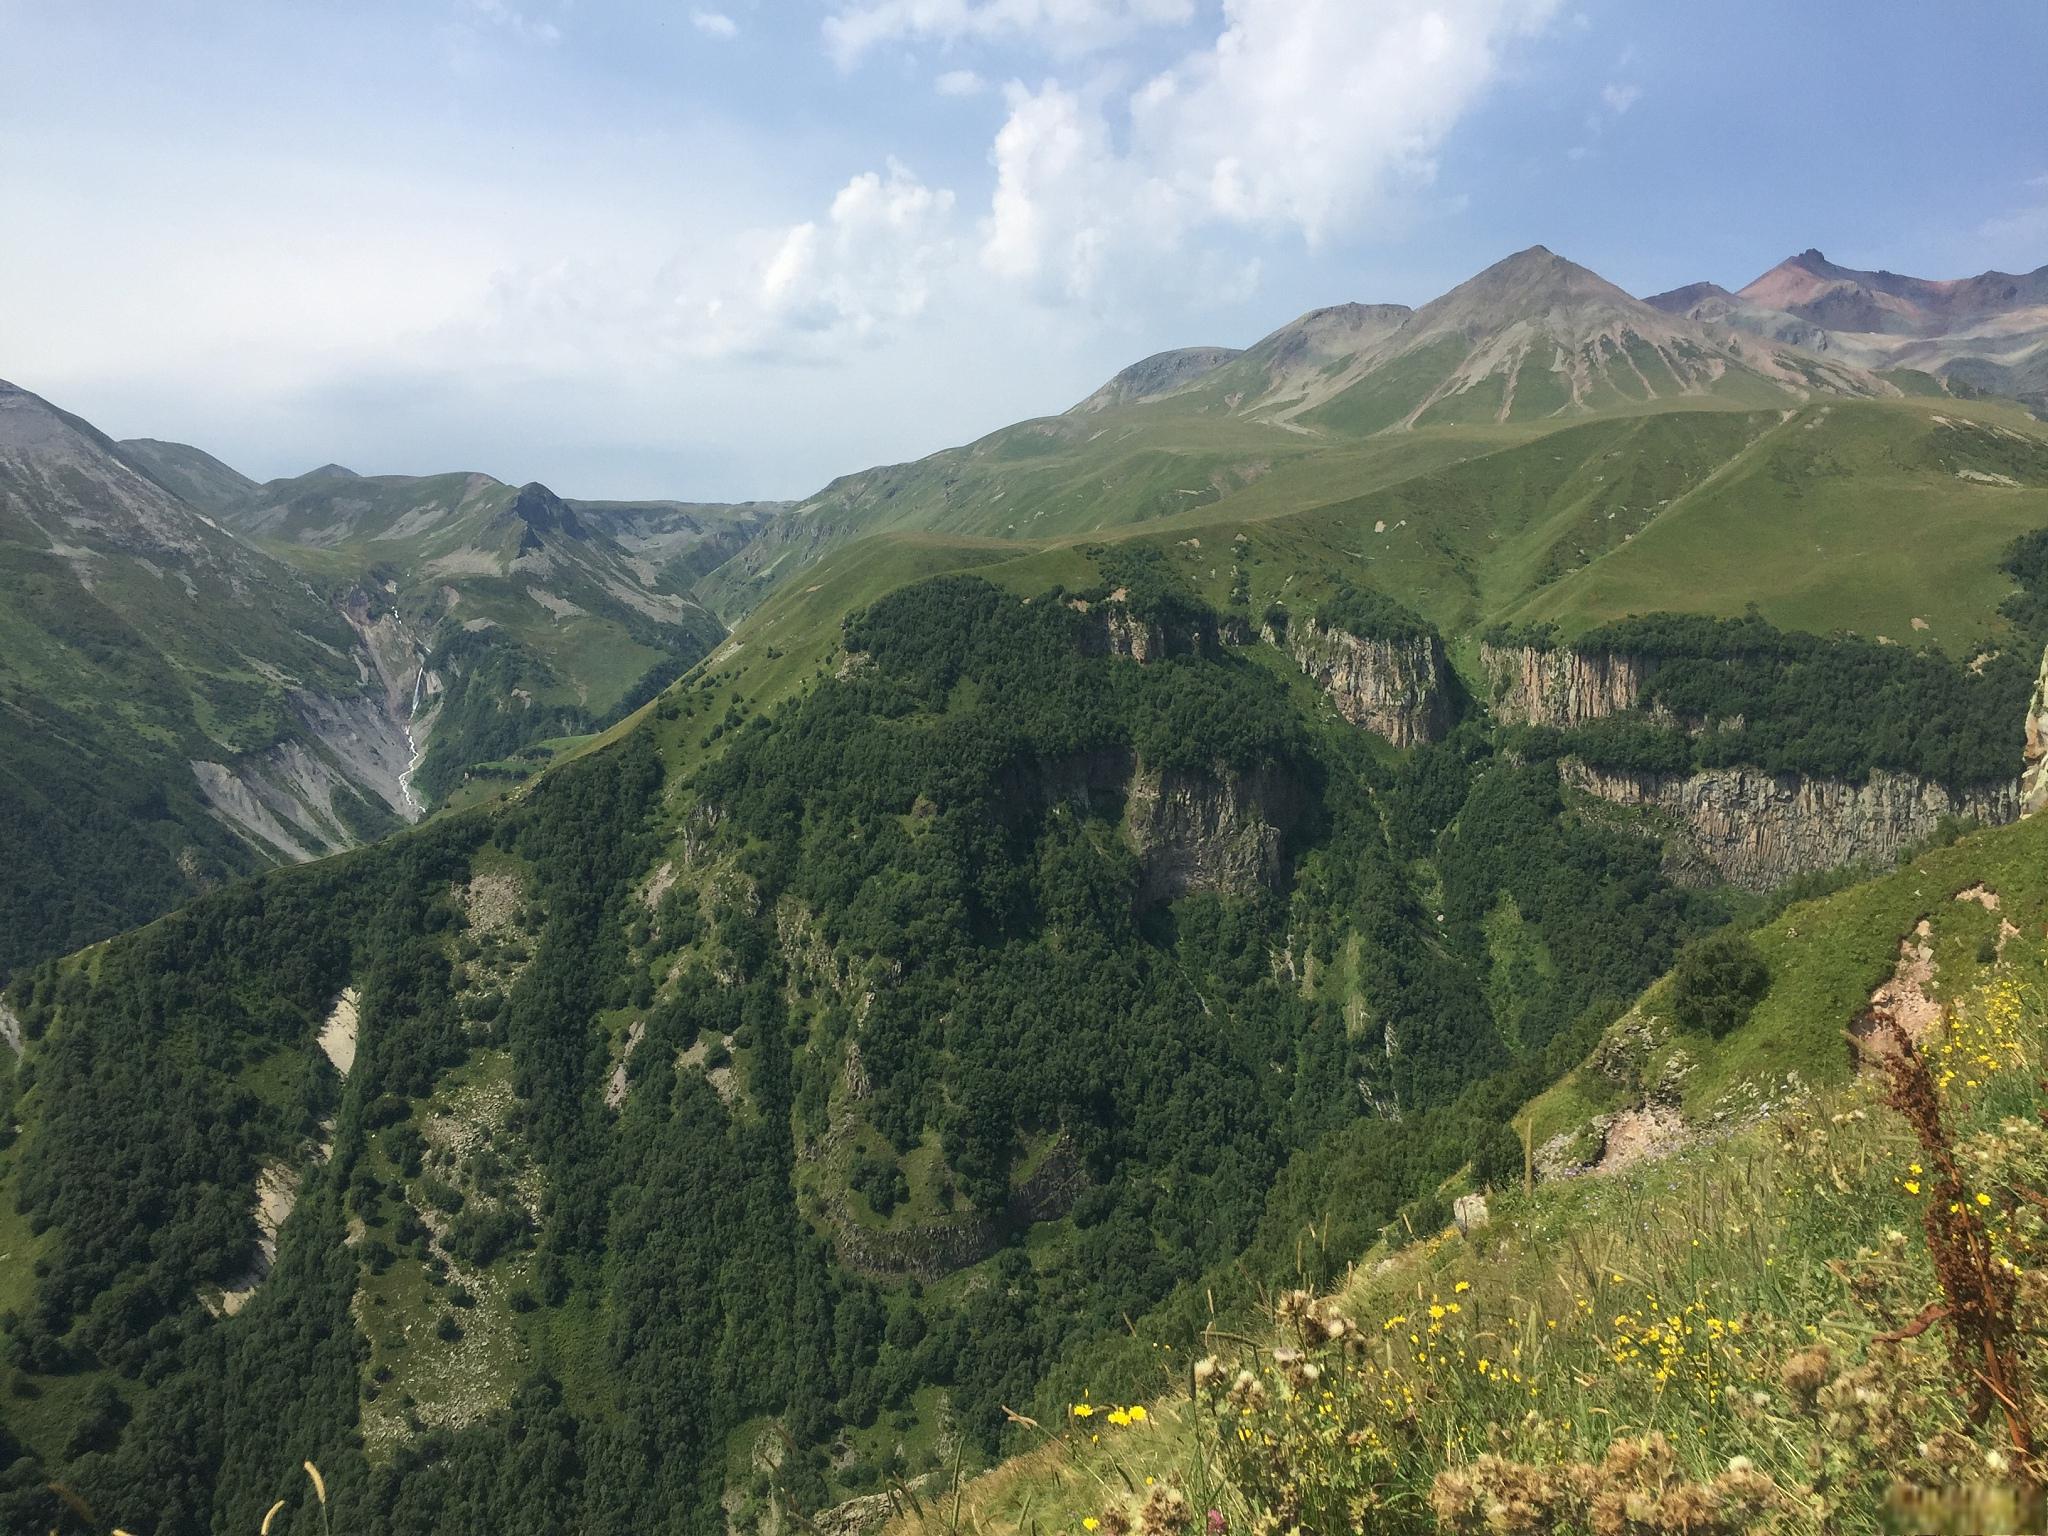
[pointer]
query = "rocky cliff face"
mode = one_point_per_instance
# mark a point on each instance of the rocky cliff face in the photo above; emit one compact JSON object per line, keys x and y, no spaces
{"x":1111,"y":629}
{"x":1760,"y":829}
{"x":1396,"y":689}
{"x":1561,"y":687}
{"x":1195,"y":832}
{"x":2034,"y":779}
{"x":284,"y":799}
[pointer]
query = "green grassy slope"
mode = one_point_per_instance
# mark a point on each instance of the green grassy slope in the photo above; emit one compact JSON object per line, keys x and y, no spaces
{"x":1855,"y":516}
{"x":1336,"y":404}
{"x":136,"y":637}
{"x":1861,"y":515}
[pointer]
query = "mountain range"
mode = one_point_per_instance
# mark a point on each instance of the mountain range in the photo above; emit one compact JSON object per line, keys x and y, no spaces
{"x":422,"y":636}
{"x":208,"y":675}
{"x":1531,"y":344}
{"x":1986,"y":333}
{"x":572,"y":1015}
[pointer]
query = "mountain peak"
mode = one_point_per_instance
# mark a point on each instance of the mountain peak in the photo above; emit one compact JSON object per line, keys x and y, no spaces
{"x":1682,"y":301}
{"x":332,"y":472}
{"x":1523,"y":286}
{"x":542,"y":512}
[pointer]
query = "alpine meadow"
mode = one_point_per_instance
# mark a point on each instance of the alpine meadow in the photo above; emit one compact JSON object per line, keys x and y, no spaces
{"x":1435,"y":923}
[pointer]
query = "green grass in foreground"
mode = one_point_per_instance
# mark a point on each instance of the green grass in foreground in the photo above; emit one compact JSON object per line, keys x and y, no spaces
{"x":1700,"y":1342}
{"x":1700,"y":1338}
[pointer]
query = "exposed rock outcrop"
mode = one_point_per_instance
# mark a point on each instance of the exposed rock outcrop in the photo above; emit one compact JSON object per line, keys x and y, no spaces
{"x":1528,"y":685}
{"x":277,"y":1192}
{"x":1193,"y":831}
{"x":2034,"y":780}
{"x":1111,"y":629}
{"x":338,"y":1033}
{"x":1196,"y":832}
{"x":1394,"y":688}
{"x":1760,"y":829}
{"x":283,"y":799}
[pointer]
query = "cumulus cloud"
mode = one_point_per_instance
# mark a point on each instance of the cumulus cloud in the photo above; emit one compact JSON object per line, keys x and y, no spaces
{"x":863,"y":270}
{"x":1058,"y":26}
{"x":1310,"y":114}
{"x":1305,"y":117}
{"x":1303,"y":120}
{"x":871,"y":261}
{"x":714,"y":24}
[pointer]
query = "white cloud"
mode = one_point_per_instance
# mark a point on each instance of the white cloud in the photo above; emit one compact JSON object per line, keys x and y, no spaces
{"x":1312,"y":114}
{"x":1619,"y":98}
{"x":714,"y":24}
{"x":1057,"y":26}
{"x":2013,"y":241}
{"x":1059,"y":186}
{"x":1304,"y":119}
{"x":960,"y":82}
{"x":866,"y":269}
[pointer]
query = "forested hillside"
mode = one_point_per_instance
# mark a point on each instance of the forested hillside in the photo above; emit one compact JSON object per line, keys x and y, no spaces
{"x":998,"y":991}
{"x":1775,"y":1274}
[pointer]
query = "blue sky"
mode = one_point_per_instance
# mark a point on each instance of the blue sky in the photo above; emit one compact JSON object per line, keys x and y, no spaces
{"x":732,"y":248}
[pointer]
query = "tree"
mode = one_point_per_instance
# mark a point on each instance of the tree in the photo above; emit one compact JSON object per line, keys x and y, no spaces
{"x":1718,"y":984}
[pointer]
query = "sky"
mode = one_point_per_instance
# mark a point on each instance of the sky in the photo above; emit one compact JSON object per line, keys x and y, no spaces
{"x":730,"y":249}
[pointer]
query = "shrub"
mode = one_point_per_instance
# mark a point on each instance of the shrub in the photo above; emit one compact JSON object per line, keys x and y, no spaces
{"x":1718,"y":984}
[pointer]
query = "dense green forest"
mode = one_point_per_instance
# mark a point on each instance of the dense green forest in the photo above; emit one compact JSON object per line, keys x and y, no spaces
{"x":1722,"y":692}
{"x":942,"y":818}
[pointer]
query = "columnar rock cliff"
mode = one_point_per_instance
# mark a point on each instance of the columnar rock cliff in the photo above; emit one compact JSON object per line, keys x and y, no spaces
{"x":2034,"y":781}
{"x":1760,"y":829}
{"x":1395,"y":688}
{"x":1561,"y":687}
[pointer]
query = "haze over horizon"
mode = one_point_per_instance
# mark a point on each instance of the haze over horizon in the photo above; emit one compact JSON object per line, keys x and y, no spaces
{"x":733,"y":249}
